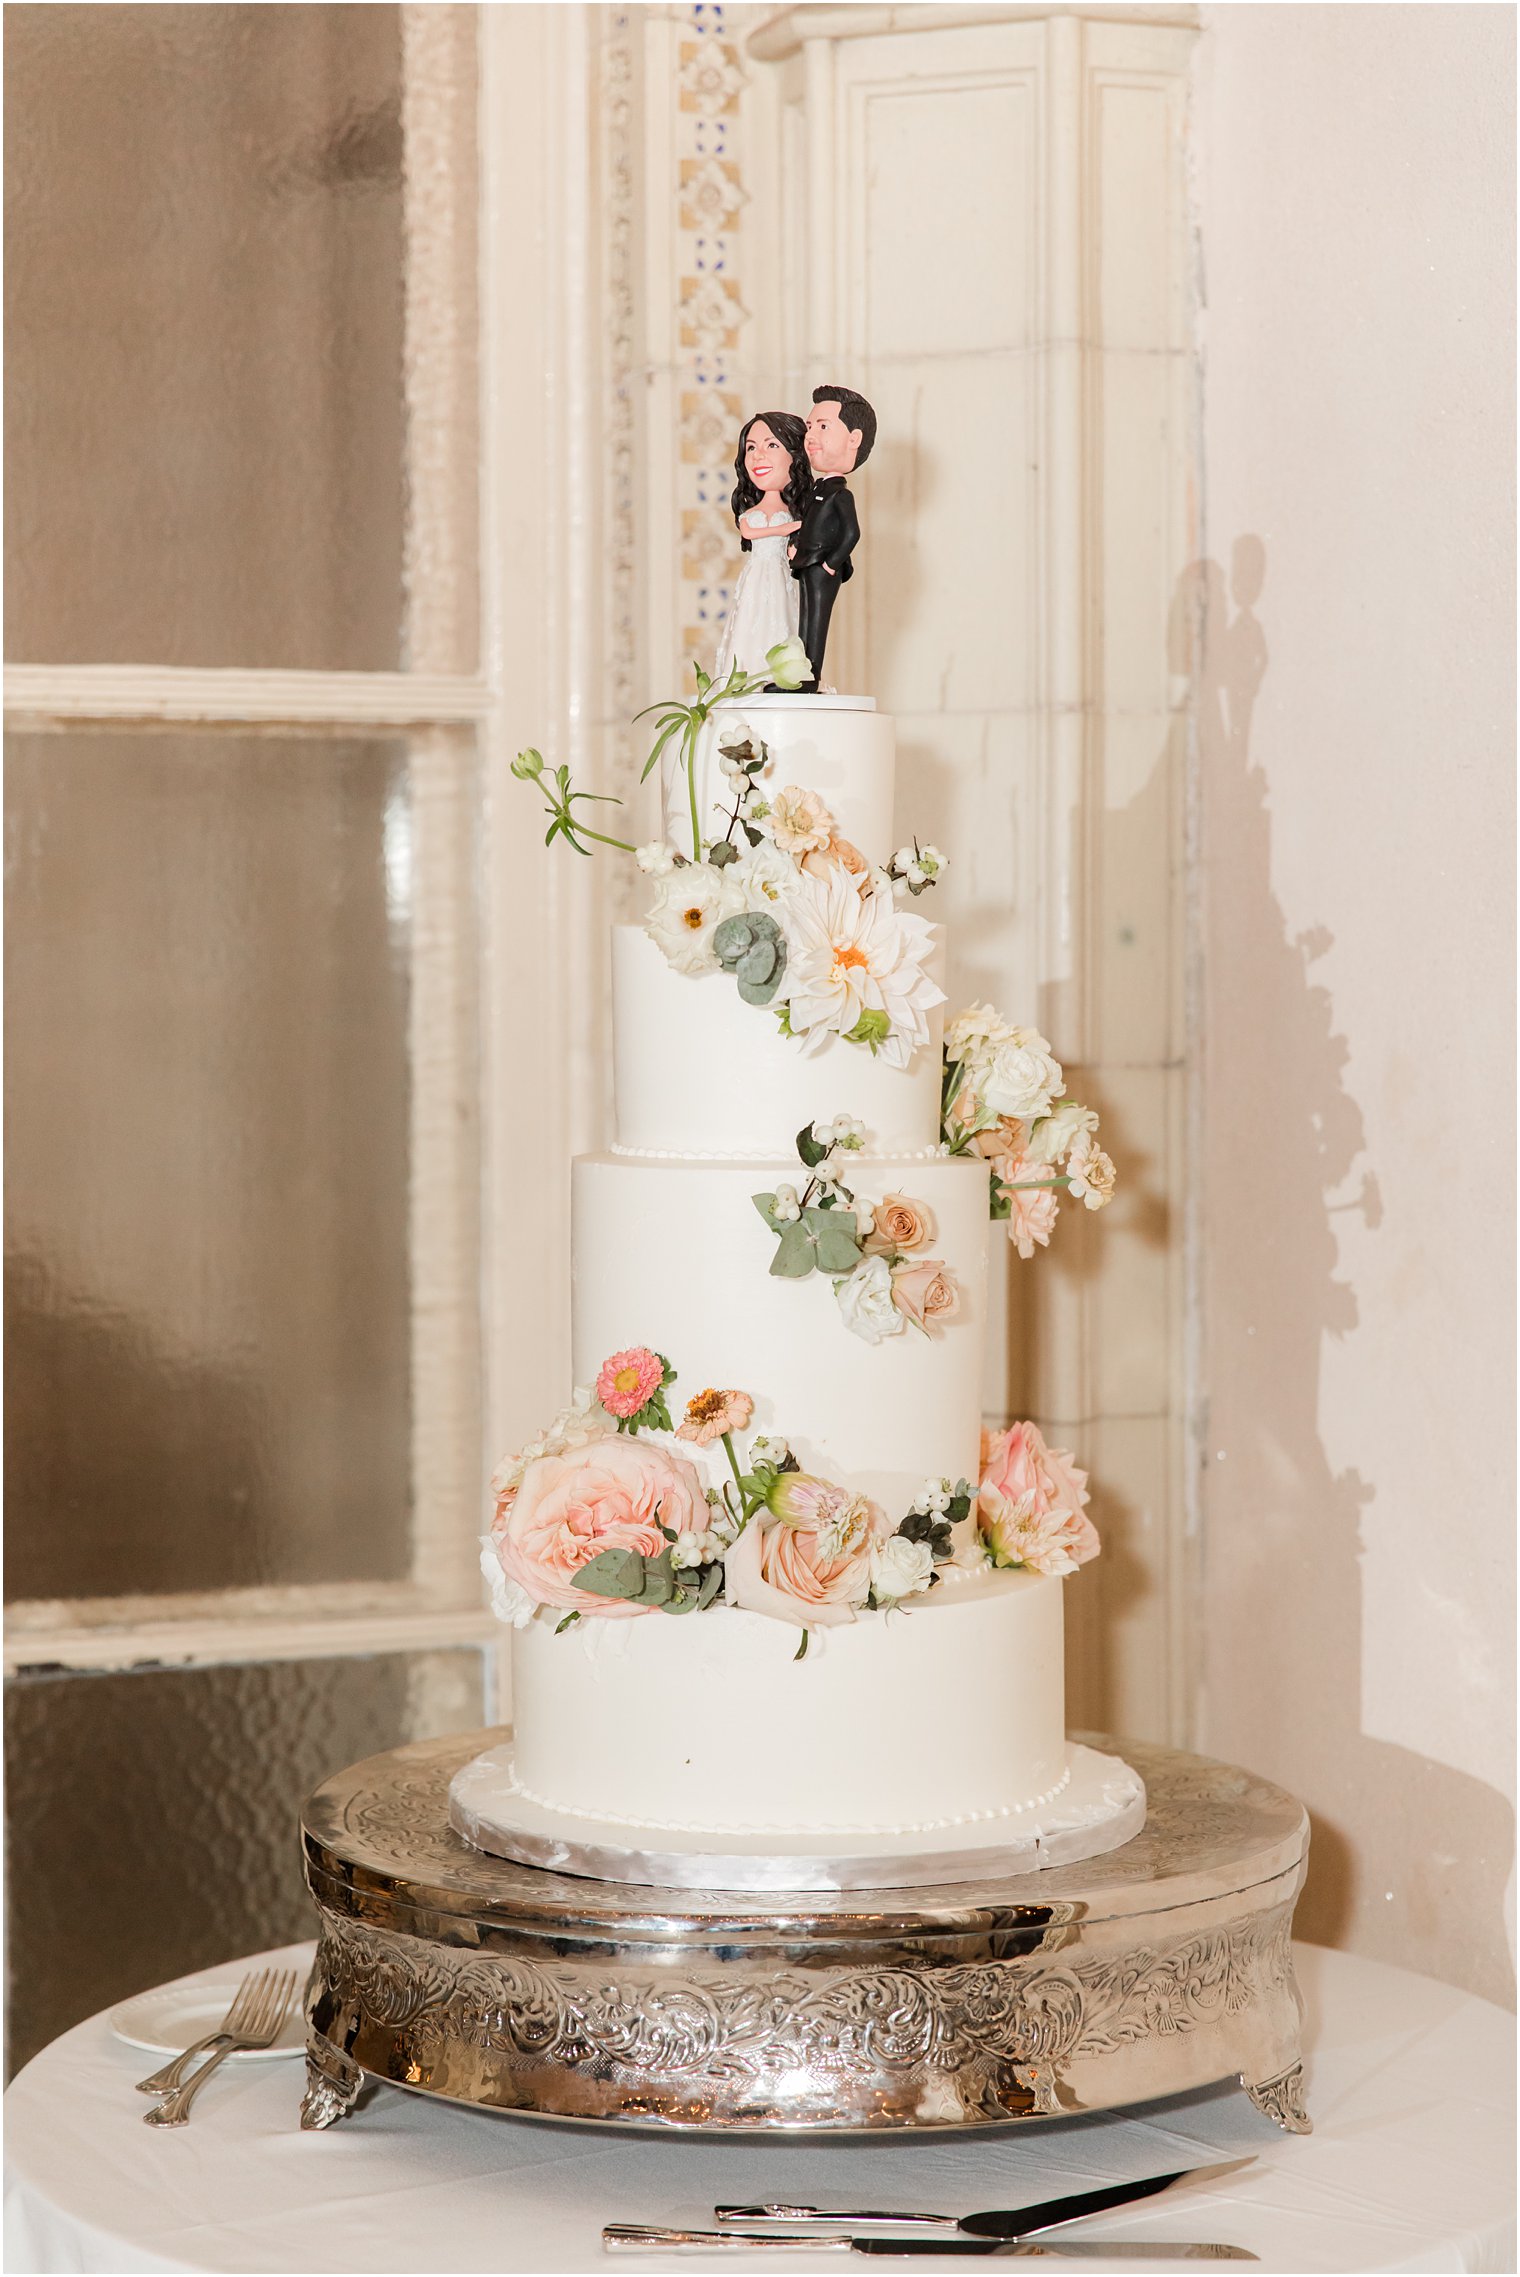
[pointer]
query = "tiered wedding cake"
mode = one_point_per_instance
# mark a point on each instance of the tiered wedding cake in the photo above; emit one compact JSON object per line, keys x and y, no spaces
{"x":776,"y":1594}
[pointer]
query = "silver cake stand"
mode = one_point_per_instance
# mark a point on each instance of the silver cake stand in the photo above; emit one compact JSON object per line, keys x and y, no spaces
{"x":1153,"y":1969}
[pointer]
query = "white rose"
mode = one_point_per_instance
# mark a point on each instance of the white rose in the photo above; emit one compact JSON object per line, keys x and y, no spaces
{"x":865,"y":1299}
{"x":900,"y":1568}
{"x":766,"y":876}
{"x":510,"y":1602}
{"x":1020,"y":1078}
{"x":1058,"y":1132}
{"x":690,"y":905}
{"x":974,"y":1032}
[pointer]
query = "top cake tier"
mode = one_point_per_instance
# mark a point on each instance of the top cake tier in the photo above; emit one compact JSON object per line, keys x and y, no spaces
{"x":842,"y":747}
{"x":698,"y":1072}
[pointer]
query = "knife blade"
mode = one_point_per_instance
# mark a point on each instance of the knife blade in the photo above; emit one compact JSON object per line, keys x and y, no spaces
{"x":1006,"y":2222}
{"x":639,"y":2237}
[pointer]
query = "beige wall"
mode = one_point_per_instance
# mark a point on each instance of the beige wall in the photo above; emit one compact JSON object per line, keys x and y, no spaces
{"x":1355,"y":194}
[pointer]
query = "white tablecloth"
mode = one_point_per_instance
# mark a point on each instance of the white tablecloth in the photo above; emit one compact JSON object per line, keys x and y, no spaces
{"x":1410,"y":2085}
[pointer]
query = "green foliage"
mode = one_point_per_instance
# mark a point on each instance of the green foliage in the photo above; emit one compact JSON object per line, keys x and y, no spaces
{"x":560,"y":802}
{"x":752,"y":947}
{"x":808,"y":1147}
{"x":823,"y":1239}
{"x":637,"y":1580}
{"x":872,"y":1029}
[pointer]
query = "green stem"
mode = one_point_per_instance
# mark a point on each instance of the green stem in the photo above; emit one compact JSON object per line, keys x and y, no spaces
{"x":603,"y":840}
{"x":692,"y":731}
{"x":733,"y":1464}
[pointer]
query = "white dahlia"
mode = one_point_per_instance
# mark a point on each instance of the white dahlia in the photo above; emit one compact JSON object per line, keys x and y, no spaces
{"x":851,"y":954}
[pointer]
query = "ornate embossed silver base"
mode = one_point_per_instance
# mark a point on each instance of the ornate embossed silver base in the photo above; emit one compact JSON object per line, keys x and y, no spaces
{"x":1101,"y":1807}
{"x":1154,"y":1969}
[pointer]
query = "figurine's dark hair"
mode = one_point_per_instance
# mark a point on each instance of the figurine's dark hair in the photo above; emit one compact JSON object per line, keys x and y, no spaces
{"x":855,"y":413}
{"x":791,"y":433}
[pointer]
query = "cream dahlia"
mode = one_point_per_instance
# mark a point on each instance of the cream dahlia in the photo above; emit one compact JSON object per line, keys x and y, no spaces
{"x":852,"y":955}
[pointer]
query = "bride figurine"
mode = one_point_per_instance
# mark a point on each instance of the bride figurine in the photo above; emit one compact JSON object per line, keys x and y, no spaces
{"x":771,"y":494}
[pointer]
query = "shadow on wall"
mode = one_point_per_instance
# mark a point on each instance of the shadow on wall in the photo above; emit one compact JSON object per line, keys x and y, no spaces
{"x":1285,"y":1606}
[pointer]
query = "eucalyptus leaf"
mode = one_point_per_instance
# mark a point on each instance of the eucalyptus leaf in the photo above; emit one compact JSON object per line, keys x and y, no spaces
{"x":794,"y":1258}
{"x":659,"y":1580}
{"x":712,"y":1582}
{"x":766,"y":1205}
{"x":838,"y":1248}
{"x":612,"y":1573}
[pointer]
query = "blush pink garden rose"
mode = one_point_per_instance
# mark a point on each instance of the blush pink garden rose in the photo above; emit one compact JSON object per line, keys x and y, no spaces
{"x":614,"y":1494}
{"x":1033,"y":1202}
{"x":807,"y":1560}
{"x":926,"y":1293}
{"x":1035,"y":1490}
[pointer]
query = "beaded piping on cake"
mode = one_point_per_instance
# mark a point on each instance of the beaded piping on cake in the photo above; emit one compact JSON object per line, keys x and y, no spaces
{"x":797,"y":1826}
{"x":764,"y":1154}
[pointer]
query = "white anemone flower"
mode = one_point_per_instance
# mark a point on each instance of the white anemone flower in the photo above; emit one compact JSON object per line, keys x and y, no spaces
{"x":688,"y":908}
{"x":850,"y":953}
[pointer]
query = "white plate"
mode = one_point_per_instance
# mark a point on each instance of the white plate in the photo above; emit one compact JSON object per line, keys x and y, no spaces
{"x":167,"y":2021}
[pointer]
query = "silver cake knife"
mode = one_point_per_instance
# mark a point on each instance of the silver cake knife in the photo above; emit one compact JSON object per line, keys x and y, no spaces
{"x":634,"y":2237}
{"x":1006,"y":2222}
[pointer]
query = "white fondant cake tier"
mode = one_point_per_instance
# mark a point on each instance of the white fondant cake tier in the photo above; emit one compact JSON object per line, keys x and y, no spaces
{"x":674,"y":1255}
{"x":944,"y":1715}
{"x":839,"y":746}
{"x":697,"y":1071}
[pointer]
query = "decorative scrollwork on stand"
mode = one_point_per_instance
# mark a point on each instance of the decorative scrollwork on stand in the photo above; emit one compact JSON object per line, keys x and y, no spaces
{"x":1001,"y":2030}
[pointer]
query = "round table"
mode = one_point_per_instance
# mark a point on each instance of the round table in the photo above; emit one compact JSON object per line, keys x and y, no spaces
{"x":1410,"y":2165}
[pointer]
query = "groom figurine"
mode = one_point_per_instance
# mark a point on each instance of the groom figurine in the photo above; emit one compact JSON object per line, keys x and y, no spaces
{"x":840,"y":432}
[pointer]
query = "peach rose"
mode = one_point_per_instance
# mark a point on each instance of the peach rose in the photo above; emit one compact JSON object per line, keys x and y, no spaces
{"x":898,"y":1224}
{"x":615,"y":1494}
{"x":1005,"y":1142}
{"x":1017,"y":1462}
{"x":839,"y":854}
{"x":926,"y":1294}
{"x":812,"y":1576}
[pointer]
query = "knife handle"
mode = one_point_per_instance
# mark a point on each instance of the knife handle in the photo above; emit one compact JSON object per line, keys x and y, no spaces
{"x":826,"y":2214}
{"x":638,"y":2237}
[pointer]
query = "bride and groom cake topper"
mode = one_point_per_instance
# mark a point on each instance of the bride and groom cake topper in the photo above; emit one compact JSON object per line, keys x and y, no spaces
{"x":797,"y":527}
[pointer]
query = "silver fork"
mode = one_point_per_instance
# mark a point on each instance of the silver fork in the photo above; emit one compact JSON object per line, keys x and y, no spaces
{"x":261,"y":2028}
{"x":168,"y":2077}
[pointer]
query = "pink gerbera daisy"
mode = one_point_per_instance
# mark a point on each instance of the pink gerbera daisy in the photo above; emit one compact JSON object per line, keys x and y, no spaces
{"x":629,"y":1380}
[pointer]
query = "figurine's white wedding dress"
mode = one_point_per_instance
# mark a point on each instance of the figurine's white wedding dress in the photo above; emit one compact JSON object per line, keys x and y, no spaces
{"x":764,"y":607}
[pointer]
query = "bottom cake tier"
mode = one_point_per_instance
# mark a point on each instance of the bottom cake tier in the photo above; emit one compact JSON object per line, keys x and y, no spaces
{"x":942,"y":1715}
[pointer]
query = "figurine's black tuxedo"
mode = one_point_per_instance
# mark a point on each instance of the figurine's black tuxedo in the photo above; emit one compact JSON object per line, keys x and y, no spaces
{"x":829,"y":535}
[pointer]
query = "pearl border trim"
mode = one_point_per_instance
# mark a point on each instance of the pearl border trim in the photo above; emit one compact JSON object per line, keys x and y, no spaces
{"x":763,"y":1153}
{"x":798,"y":1826}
